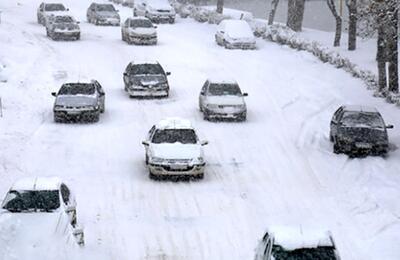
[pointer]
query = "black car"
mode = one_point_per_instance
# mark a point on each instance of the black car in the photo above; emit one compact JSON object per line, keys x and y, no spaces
{"x":358,"y":130}
{"x":147,"y":79}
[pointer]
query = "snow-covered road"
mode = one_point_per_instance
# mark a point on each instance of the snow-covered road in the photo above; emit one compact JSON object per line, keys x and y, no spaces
{"x":276,"y":168}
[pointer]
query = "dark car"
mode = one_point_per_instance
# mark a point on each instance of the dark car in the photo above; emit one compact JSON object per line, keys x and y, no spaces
{"x":146,"y":79}
{"x":103,"y":14}
{"x":63,"y":27}
{"x":84,"y":101}
{"x":359,"y":130}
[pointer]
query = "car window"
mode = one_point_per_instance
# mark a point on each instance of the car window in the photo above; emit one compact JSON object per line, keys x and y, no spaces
{"x":337,"y":113}
{"x":321,"y":252}
{"x":184,"y":136}
{"x":32,"y":201}
{"x":105,"y":8}
{"x":141,"y":23}
{"x":76,"y":89}
{"x":54,"y":7}
{"x":147,"y":69}
{"x":204,"y":88}
{"x":65,"y":193}
{"x":224,"y":89}
{"x":362,"y":119}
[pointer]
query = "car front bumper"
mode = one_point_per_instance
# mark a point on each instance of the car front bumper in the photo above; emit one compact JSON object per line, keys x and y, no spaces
{"x":176,"y":170}
{"x":143,"y":40}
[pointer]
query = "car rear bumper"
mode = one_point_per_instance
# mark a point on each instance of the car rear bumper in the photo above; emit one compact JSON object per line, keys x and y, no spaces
{"x":170,"y":170}
{"x":148,"y":93}
{"x":241,"y":45}
{"x":66,"y":35}
{"x":74,"y":115}
{"x":159,"y":18}
{"x":143,"y":40}
{"x":222,"y":115}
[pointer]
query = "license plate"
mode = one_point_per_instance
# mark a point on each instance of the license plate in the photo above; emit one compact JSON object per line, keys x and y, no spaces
{"x":178,"y":167}
{"x":73,"y":112}
{"x":363,"y":145}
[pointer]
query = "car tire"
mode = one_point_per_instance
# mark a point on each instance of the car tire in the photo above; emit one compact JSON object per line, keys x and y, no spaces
{"x":330,"y":138}
{"x":171,"y":21}
{"x":206,"y":117}
{"x":200,"y":108}
{"x":58,"y":119}
{"x":200,"y":176}
{"x":336,"y":148}
{"x":153,"y":176}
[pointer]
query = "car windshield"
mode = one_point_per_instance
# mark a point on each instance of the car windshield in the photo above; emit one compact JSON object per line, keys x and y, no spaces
{"x":360,"y":119}
{"x":54,"y":7}
{"x":224,"y":90}
{"x":105,"y":8}
{"x":77,"y":89}
{"x":141,"y":23}
{"x":63,"y":19}
{"x":184,"y":136}
{"x":322,"y":253}
{"x":22,"y":200}
{"x":147,"y":69}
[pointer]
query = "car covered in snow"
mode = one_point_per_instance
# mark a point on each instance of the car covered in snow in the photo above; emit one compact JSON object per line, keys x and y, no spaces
{"x":359,"y":130}
{"x":158,"y":11}
{"x":103,"y":14}
{"x":235,"y":34}
{"x":173,"y":149}
{"x":47,"y":9}
{"x":129,"y":3}
{"x":222,"y":99}
{"x":139,"y":30}
{"x":63,"y":27}
{"x":45,"y":206}
{"x":82,"y":101}
{"x":296,"y":243}
{"x":146,"y":79}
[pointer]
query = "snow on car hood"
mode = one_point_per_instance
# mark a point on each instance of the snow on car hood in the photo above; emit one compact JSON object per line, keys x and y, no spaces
{"x":225,"y":100}
{"x":76,"y":100}
{"x":143,"y":31}
{"x":176,"y":151}
{"x":35,"y":236}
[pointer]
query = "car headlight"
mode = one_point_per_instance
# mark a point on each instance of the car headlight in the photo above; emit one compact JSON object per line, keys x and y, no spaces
{"x":59,"y":107}
{"x":157,"y":160}
{"x":199,"y":160}
{"x":163,"y":85}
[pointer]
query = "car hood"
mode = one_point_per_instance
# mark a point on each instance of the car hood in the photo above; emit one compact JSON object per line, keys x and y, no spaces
{"x":107,"y":14}
{"x":143,"y":31}
{"x":363,"y":134}
{"x":76,"y":100}
{"x":35,"y":235}
{"x":225,"y":100}
{"x":176,"y":151}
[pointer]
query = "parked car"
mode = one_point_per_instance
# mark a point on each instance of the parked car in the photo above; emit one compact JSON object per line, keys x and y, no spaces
{"x":158,"y":11}
{"x":287,"y":243}
{"x":83,"y":101}
{"x":103,"y":14}
{"x":43,"y":201}
{"x":235,"y":34}
{"x":172,"y":149}
{"x":222,"y":99}
{"x":139,"y":30}
{"x":47,"y":9}
{"x":146,"y":79}
{"x":359,"y":130}
{"x":129,"y":3}
{"x":63,"y":27}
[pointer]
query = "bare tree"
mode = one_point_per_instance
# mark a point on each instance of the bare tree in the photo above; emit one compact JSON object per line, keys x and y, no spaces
{"x":295,"y":14}
{"x":274,"y":6}
{"x":352,"y":7}
{"x":338,"y":32}
{"x":220,"y":6}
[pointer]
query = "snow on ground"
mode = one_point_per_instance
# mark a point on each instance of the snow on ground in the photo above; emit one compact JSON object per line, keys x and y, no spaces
{"x":275,"y":169}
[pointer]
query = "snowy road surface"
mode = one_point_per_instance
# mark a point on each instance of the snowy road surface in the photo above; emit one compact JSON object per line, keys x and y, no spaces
{"x":275,"y":169}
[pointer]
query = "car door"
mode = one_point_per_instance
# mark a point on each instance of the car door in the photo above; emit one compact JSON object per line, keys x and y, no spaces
{"x":220,"y":34}
{"x":102,"y":96}
{"x":202,"y":95}
{"x":125,"y":27}
{"x":148,"y":139}
{"x":335,"y":121}
{"x":89,"y":13}
{"x":40,"y":13}
{"x":69,"y":203}
{"x":126,"y":74}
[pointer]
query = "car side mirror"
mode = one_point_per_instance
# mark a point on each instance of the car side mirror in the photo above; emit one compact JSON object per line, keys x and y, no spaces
{"x":204,"y":143}
{"x":245,"y":94}
{"x":78,"y":22}
{"x":168,"y":73}
{"x":67,"y":9}
{"x":389,"y":127}
{"x":145,"y":143}
{"x":70,"y":209}
{"x":54,"y":94}
{"x":125,"y":74}
{"x":222,"y":32}
{"x":202,"y":93}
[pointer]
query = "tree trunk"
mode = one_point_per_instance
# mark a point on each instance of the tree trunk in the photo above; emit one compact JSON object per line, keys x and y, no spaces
{"x":338,"y":33}
{"x":274,"y":6}
{"x":381,"y":56}
{"x":295,"y":14}
{"x":393,"y":51}
{"x":352,"y":6}
{"x":220,"y":6}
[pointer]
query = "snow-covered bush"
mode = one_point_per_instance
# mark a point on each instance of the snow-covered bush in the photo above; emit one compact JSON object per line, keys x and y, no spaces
{"x":200,"y":14}
{"x":258,"y":27}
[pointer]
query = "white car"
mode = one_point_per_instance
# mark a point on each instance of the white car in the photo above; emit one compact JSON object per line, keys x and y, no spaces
{"x":235,"y":34}
{"x":157,"y":11}
{"x":296,"y":243}
{"x":43,"y":202}
{"x":174,"y":150}
{"x":222,"y":99}
{"x":139,"y":30}
{"x":47,"y":9}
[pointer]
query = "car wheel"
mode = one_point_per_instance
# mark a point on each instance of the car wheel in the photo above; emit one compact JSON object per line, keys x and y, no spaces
{"x":153,"y":176}
{"x":330,"y":138}
{"x":205,"y":117}
{"x":336,"y":148}
{"x":200,"y":108}
{"x":200,"y":176}
{"x":146,"y":160}
{"x":95,"y":117}
{"x":171,"y":21}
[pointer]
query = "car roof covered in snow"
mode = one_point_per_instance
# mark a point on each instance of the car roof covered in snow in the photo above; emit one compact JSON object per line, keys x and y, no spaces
{"x":236,"y":28}
{"x":357,"y":108}
{"x":37,"y":183}
{"x":144,"y":61}
{"x":159,"y":4}
{"x":292,"y":238}
{"x":174,"y":123}
{"x":221,"y":80}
